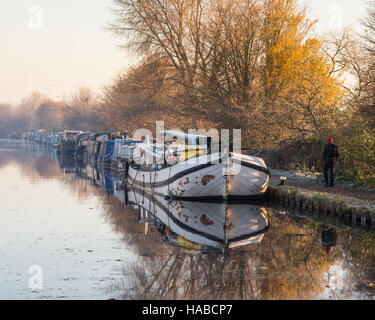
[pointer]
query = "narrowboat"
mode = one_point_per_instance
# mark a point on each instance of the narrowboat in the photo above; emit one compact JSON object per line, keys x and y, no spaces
{"x":81,"y":145}
{"x":194,"y":172}
{"x":67,"y":143}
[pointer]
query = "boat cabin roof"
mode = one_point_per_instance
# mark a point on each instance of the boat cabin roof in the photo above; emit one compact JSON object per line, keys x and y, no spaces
{"x":73,"y":132}
{"x":190,"y":139}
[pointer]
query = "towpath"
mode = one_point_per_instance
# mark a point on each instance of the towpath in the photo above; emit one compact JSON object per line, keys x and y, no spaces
{"x":314,"y":183}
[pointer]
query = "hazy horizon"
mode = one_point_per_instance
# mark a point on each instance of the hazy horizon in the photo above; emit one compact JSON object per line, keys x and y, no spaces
{"x":54,"y":47}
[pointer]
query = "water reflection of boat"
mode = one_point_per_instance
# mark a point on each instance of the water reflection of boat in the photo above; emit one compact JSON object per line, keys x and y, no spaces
{"x":207,"y":225}
{"x":113,"y":184}
{"x":50,"y":154}
{"x":67,"y":163}
{"x":85,"y":173}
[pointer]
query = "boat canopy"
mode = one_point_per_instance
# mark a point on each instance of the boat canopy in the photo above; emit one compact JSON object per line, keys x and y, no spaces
{"x":69,"y":134}
{"x":121,"y":145}
{"x":101,"y":137}
{"x":190,"y":139}
{"x":126,"y":149}
{"x":84,"y":135}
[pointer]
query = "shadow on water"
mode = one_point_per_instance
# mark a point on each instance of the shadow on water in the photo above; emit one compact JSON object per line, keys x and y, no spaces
{"x":218,"y":251}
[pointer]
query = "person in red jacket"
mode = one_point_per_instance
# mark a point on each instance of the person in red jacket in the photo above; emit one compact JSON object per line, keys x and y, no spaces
{"x":330,"y":155}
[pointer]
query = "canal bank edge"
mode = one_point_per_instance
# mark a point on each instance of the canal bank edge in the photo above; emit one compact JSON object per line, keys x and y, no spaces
{"x":335,"y":204}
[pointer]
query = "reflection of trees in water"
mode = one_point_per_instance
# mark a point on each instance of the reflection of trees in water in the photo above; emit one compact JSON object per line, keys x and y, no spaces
{"x":288,"y":264}
{"x":10,"y":152}
{"x":34,"y":162}
{"x":295,"y":262}
{"x":6,"y":158}
{"x":175,"y":274}
{"x":81,"y":189}
{"x":366,"y":283}
{"x":46,"y":168}
{"x":39,"y":166}
{"x":360,"y":260}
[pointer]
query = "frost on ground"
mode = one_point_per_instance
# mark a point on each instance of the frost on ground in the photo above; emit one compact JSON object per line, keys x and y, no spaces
{"x":316,"y":176}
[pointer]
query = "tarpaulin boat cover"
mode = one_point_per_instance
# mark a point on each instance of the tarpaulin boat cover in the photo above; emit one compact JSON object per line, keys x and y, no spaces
{"x":117,"y":148}
{"x":109,"y":149}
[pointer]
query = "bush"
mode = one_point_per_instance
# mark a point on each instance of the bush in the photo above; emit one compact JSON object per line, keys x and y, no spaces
{"x":303,"y":153}
{"x":357,"y":151}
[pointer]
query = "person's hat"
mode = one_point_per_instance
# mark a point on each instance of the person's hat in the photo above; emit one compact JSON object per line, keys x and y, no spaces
{"x":330,"y":140}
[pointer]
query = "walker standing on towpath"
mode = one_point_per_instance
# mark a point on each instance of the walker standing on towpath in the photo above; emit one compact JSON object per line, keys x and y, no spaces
{"x":331,"y":154}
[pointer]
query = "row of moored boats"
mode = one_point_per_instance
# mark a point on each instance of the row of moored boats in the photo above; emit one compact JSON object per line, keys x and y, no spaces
{"x":174,"y":166}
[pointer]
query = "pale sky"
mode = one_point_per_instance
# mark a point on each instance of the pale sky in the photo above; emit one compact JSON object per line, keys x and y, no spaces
{"x":55,"y":46}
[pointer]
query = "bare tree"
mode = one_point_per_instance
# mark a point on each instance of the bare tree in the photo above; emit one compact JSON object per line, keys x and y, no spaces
{"x":6,"y":119}
{"x":78,"y":109}
{"x":48,"y":116}
{"x":369,"y":23}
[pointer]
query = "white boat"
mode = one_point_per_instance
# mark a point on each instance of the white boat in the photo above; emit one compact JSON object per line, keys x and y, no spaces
{"x":218,"y":225}
{"x":194,"y":172}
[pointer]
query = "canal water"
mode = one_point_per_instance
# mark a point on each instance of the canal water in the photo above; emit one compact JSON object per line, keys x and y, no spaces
{"x":71,"y":232}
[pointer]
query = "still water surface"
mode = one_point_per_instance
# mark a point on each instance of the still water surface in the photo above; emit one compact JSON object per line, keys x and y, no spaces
{"x":74,"y":224}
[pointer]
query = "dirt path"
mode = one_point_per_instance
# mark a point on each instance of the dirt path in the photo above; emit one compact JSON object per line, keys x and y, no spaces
{"x":368,"y":195}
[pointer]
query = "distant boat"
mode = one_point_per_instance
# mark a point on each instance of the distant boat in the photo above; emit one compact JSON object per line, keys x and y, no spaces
{"x":193,"y":172}
{"x":200,"y":225}
{"x":81,"y":144}
{"x":115,"y":151}
{"x":94,"y":145}
{"x":67,"y":143}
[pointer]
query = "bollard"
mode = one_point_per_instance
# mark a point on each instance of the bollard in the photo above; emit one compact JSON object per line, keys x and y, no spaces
{"x":283,"y":181}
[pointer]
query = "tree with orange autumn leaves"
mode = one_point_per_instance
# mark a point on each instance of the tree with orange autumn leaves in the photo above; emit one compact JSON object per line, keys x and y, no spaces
{"x":252,"y":63}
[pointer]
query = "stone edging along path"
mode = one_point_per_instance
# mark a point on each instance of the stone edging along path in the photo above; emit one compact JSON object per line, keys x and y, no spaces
{"x":336,"y":204}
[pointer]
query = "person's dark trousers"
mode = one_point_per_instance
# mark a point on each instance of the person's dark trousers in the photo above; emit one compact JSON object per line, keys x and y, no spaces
{"x":329,"y":167}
